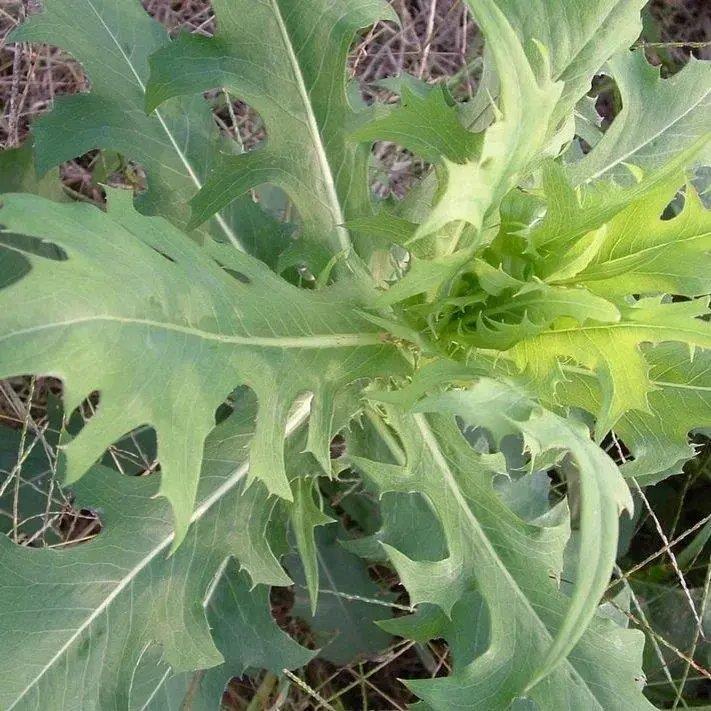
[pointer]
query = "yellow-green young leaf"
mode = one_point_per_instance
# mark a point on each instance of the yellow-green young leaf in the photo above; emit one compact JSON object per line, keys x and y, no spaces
{"x":562,"y":241}
{"x":511,"y":563}
{"x":503,"y":321}
{"x":471,"y":190}
{"x":116,"y":633}
{"x":568,"y":291}
{"x":424,"y":276}
{"x":638,"y":252}
{"x":295,"y":77}
{"x":613,"y":352}
{"x":541,"y":54}
{"x":135,"y":310}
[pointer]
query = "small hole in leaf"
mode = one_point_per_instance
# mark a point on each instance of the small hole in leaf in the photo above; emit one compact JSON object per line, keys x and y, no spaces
{"x":616,"y":449}
{"x":608,"y":101}
{"x":338,"y":447}
{"x":86,"y":176}
{"x":78,"y":526}
{"x":224,"y":411}
{"x":76,"y":419}
{"x":238,"y":120}
{"x":675,"y":207}
{"x":135,"y":454}
{"x":394,"y":170}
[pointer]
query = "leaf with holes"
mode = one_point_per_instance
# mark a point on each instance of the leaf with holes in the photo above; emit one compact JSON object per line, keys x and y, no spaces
{"x":511,"y":562}
{"x":116,"y":317}
{"x":472,"y":346}
{"x":642,"y":134}
{"x":294,"y":77}
{"x":176,"y":146}
{"x":106,"y":624}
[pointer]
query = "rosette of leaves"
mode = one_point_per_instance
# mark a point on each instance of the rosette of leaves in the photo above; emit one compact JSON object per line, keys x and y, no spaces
{"x":542,"y":298}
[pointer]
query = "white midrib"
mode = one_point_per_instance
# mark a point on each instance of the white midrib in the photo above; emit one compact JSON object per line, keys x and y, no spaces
{"x":155,"y":691}
{"x":682,"y":386}
{"x":205,"y":602}
{"x":183,"y":158}
{"x":331,"y":340}
{"x":298,"y":417}
{"x":430,"y":441}
{"x":334,"y":202}
{"x":659,"y":383}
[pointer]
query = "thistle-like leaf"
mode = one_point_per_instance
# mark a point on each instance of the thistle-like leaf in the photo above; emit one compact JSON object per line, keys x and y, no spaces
{"x":679,"y":403}
{"x":84,"y":623}
{"x":177,"y":146}
{"x":526,"y":283}
{"x":294,"y":76}
{"x":659,"y":118}
{"x":477,"y":171}
{"x":612,"y":351}
{"x":138,"y":312}
{"x":503,"y":322}
{"x":512,"y":563}
{"x":567,"y":292}
{"x":564,"y":238}
{"x":639,"y":252}
{"x":428,"y":125}
{"x":579,"y":41}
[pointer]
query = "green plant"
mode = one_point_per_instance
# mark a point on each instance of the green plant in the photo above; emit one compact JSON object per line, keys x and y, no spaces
{"x":522,"y":303}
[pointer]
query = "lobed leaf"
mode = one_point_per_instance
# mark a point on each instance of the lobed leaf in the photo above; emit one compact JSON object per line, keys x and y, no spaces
{"x":481,"y":170}
{"x":176,"y":146}
{"x":580,"y":37}
{"x":86,"y":634}
{"x":115,"y":317}
{"x":659,"y":118}
{"x":286,"y":59}
{"x":679,"y":403}
{"x":547,"y":278}
{"x":512,"y":563}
